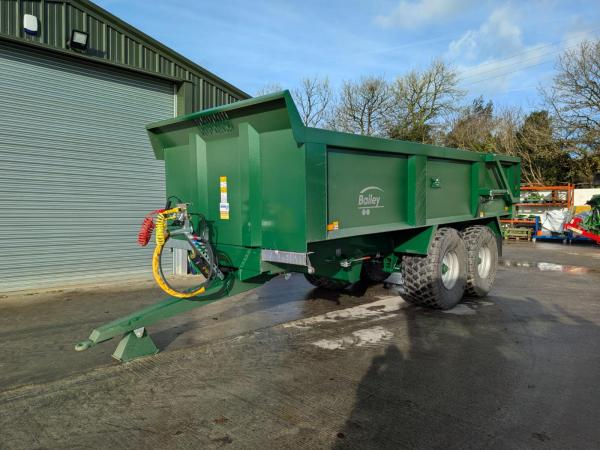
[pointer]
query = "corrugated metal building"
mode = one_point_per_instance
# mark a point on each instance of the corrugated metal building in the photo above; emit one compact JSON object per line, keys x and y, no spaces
{"x":77,"y":174}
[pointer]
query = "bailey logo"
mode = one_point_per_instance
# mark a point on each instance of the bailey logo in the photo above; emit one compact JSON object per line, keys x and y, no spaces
{"x":369,"y":198}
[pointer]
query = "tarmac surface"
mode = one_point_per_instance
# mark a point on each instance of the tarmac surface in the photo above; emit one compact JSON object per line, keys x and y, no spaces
{"x":289,"y":366}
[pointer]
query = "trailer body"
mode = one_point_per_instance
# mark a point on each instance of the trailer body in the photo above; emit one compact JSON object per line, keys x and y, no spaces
{"x":312,"y":200}
{"x":259,"y":194}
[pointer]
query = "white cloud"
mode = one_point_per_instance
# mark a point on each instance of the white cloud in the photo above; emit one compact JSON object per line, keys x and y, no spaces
{"x":498,"y":36}
{"x":412,"y":14}
{"x":491,"y":57}
{"x":574,"y":36}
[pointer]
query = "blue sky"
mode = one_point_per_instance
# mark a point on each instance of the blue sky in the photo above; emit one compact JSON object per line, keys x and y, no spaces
{"x":503,"y":50}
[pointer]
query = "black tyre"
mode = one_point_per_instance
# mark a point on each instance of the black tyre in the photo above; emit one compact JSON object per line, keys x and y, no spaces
{"x":373,"y":271}
{"x":437,"y":280}
{"x":326,"y":283}
{"x":482,"y":260}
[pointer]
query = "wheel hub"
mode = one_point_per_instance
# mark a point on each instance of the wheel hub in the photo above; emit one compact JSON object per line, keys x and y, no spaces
{"x":484,"y":261}
{"x":450,"y":269}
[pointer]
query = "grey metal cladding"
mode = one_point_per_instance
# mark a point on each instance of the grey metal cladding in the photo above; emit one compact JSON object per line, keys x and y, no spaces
{"x":77,"y":173}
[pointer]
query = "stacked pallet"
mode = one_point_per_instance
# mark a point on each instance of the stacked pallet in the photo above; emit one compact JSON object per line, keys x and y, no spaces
{"x":516,"y":233}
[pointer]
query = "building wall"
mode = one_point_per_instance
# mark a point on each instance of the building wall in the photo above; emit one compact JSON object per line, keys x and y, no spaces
{"x":114,"y":41}
{"x":78,"y":171}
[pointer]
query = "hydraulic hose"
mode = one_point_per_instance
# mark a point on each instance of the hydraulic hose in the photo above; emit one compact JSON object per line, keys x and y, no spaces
{"x":147,"y":227}
{"x":162,"y":235}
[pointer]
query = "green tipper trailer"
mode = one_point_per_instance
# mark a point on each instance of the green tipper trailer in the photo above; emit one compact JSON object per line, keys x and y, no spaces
{"x":258,"y":194}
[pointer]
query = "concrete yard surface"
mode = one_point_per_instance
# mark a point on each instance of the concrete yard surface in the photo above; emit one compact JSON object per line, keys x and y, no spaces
{"x":289,"y":366}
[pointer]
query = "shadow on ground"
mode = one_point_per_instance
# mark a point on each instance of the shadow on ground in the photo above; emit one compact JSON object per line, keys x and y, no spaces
{"x":507,"y":385}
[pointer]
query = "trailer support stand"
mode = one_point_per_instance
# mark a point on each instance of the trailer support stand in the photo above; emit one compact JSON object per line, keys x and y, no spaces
{"x":135,"y":345}
{"x":135,"y":341}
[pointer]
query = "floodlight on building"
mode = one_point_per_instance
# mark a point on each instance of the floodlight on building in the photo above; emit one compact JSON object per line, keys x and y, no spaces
{"x":30,"y":24}
{"x":79,"y":40}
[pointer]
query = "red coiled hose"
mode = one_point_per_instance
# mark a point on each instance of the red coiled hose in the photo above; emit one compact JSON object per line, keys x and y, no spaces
{"x":145,"y":231}
{"x":147,"y":228}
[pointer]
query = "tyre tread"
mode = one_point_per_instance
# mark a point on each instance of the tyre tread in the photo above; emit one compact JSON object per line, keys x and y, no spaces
{"x":420,"y":273}
{"x":471,"y":237}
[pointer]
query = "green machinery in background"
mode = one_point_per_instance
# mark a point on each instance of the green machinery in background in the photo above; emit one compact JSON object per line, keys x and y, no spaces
{"x":592,"y":221}
{"x":587,"y":225}
{"x":254,"y":194}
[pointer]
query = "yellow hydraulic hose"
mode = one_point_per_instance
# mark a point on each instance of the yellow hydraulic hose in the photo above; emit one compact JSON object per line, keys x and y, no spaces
{"x":161,"y":237}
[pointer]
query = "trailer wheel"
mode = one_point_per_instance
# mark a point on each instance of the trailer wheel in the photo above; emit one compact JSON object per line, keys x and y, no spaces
{"x":437,"y":280}
{"x":326,"y":283}
{"x":482,"y":259}
{"x":373,"y":271}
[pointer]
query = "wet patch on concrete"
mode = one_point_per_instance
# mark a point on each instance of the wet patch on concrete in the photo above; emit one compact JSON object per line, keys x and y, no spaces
{"x":360,"y":338}
{"x":461,"y":310}
{"x":379,"y":309}
{"x":547,"y":267}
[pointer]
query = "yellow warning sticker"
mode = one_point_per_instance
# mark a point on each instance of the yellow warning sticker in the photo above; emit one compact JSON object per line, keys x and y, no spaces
{"x":335,"y":225}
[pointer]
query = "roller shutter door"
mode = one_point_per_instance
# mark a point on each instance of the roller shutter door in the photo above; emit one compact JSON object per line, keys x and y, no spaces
{"x":77,"y":172}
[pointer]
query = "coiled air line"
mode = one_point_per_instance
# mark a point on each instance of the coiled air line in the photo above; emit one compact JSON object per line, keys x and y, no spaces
{"x":204,"y":257}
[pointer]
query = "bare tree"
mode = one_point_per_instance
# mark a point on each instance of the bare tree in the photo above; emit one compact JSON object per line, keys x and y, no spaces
{"x":314,"y":99}
{"x":363,"y":106}
{"x":422,"y":100}
{"x":269,"y":88}
{"x":574,"y":98}
{"x":513,"y":137}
